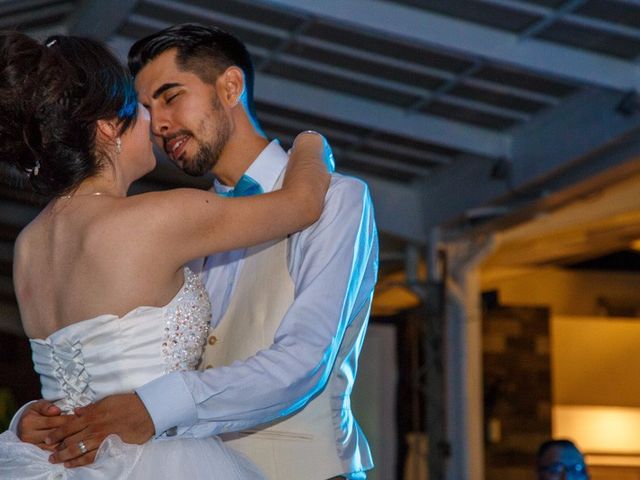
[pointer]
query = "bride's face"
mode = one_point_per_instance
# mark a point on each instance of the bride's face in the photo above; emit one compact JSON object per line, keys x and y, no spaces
{"x":137,"y":148}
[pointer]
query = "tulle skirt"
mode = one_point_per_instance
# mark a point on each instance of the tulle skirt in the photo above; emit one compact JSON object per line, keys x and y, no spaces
{"x":181,"y":458}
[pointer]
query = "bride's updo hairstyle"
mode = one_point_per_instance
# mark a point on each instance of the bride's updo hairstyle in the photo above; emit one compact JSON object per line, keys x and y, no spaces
{"x":51,"y":97}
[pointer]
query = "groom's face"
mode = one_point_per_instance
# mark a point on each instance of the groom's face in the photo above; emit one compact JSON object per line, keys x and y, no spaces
{"x":187,"y":119}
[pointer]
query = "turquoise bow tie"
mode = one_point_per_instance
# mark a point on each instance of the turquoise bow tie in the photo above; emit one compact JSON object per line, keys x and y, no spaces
{"x":245,"y":187}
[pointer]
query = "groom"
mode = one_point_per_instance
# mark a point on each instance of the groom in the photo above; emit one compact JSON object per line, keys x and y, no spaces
{"x":289,"y":317}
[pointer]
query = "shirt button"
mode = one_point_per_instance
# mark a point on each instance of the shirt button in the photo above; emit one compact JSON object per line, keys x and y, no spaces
{"x":212,"y":340}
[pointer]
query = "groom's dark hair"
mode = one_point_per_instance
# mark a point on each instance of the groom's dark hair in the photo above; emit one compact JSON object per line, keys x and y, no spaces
{"x":205,"y":51}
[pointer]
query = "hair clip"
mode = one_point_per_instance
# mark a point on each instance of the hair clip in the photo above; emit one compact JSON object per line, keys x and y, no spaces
{"x":51,"y":43}
{"x":33,"y":172}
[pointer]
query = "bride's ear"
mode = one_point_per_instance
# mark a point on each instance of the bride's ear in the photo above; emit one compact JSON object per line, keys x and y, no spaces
{"x":106,"y":131}
{"x":108,"y":144}
{"x":107,"y":135}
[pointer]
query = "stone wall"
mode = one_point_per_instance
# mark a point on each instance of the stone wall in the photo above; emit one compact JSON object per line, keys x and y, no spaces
{"x":517,"y":389}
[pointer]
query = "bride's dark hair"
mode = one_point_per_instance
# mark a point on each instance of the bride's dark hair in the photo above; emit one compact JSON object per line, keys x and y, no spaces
{"x":51,"y":97}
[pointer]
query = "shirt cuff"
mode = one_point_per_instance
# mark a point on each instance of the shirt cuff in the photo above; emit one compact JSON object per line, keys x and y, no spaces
{"x":13,"y":426}
{"x":169,"y":403}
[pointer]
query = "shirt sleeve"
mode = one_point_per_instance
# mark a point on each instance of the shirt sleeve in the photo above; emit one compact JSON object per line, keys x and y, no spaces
{"x":334,"y":270}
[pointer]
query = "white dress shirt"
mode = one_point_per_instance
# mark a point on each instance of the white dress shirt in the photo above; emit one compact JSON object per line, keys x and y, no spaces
{"x":333,"y":264}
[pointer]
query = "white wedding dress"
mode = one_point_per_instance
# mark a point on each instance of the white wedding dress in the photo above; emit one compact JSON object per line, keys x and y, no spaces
{"x":89,"y":360}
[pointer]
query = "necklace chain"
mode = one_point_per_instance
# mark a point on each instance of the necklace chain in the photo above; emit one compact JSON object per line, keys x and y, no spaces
{"x":92,"y":194}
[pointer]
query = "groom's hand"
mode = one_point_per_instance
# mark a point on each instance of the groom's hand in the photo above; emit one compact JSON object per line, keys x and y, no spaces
{"x":124,"y":415}
{"x":38,"y":421}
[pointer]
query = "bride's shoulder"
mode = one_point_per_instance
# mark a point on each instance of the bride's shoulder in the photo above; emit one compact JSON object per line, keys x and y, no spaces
{"x":162,"y":198}
{"x":150,"y":207}
{"x":138,"y":216}
{"x":29,"y":235}
{"x":24,"y":252}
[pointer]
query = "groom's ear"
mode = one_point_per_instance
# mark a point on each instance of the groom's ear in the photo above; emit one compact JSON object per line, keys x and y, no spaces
{"x":230,"y":85}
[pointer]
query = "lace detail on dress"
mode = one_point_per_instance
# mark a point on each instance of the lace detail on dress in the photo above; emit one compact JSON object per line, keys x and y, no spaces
{"x":186,"y":325}
{"x":69,"y":370}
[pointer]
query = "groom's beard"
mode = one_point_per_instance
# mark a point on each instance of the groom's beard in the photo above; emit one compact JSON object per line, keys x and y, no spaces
{"x":207,"y":155}
{"x":203,"y":161}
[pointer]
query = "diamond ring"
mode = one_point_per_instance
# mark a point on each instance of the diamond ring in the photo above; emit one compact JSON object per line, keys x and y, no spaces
{"x":83,"y":448}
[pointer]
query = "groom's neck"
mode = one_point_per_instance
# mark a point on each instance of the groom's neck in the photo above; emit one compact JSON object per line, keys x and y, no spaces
{"x":237,"y":156}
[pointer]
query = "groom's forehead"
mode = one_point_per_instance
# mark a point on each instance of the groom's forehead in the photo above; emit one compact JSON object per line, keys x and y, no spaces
{"x":158,"y":71}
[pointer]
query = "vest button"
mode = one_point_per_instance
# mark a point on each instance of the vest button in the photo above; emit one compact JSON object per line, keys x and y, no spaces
{"x":212,"y":340}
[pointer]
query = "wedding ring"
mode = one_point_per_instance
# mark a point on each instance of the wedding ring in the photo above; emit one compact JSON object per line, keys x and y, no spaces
{"x":83,"y":448}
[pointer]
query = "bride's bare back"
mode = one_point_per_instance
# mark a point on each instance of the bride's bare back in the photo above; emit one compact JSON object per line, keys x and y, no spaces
{"x":77,"y":260}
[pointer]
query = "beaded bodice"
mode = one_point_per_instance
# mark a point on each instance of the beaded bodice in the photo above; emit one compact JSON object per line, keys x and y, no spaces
{"x":89,"y":360}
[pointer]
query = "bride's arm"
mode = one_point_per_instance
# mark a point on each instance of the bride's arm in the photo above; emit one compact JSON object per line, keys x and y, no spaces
{"x":189,"y":223}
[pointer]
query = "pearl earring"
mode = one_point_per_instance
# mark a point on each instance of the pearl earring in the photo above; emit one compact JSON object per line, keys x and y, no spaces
{"x":118,"y":145}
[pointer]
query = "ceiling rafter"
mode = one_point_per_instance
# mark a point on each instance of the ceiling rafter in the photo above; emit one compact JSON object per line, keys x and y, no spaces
{"x":588,"y":122}
{"x":550,"y":17}
{"x":9,"y":7}
{"x":463,"y":37}
{"x":351,"y":154}
{"x":282,"y":124}
{"x":10,"y":20}
{"x":111,"y":15}
{"x":574,"y":18}
{"x":423,"y":97}
{"x":287,"y":37}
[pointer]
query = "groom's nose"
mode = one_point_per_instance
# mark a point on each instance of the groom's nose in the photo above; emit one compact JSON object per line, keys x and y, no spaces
{"x":159,"y":122}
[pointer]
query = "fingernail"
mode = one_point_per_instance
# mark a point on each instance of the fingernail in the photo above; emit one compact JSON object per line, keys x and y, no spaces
{"x":47,"y":441}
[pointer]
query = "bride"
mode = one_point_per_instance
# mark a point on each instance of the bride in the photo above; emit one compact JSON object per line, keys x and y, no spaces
{"x":99,"y":276}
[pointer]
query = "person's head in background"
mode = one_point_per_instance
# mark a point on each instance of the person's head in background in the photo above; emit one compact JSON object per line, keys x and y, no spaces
{"x":560,"y":460}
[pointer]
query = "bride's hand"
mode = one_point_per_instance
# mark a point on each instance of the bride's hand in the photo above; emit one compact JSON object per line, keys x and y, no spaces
{"x":38,"y":420}
{"x":308,"y":174}
{"x":313,"y":136}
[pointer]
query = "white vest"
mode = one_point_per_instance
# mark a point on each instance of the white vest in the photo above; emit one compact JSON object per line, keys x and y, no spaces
{"x":301,"y":446}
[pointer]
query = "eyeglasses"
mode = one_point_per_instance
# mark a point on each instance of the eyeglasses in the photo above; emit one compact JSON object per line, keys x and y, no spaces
{"x":577,"y":471}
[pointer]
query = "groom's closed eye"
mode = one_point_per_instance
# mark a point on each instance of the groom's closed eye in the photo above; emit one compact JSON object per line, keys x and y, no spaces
{"x":169,"y":98}
{"x":163,"y":88}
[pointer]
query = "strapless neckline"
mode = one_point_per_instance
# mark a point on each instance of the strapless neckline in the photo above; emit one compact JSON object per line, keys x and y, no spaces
{"x":130,"y":314}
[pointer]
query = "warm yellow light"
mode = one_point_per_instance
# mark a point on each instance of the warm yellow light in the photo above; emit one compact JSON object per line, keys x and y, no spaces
{"x":392,"y":295}
{"x":393,"y":299}
{"x":599,"y":430}
{"x":613,"y":460}
{"x":595,"y":361}
{"x":635,"y":245}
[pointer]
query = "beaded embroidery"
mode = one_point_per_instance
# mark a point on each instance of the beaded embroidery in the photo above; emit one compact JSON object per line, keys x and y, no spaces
{"x":186,"y":325}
